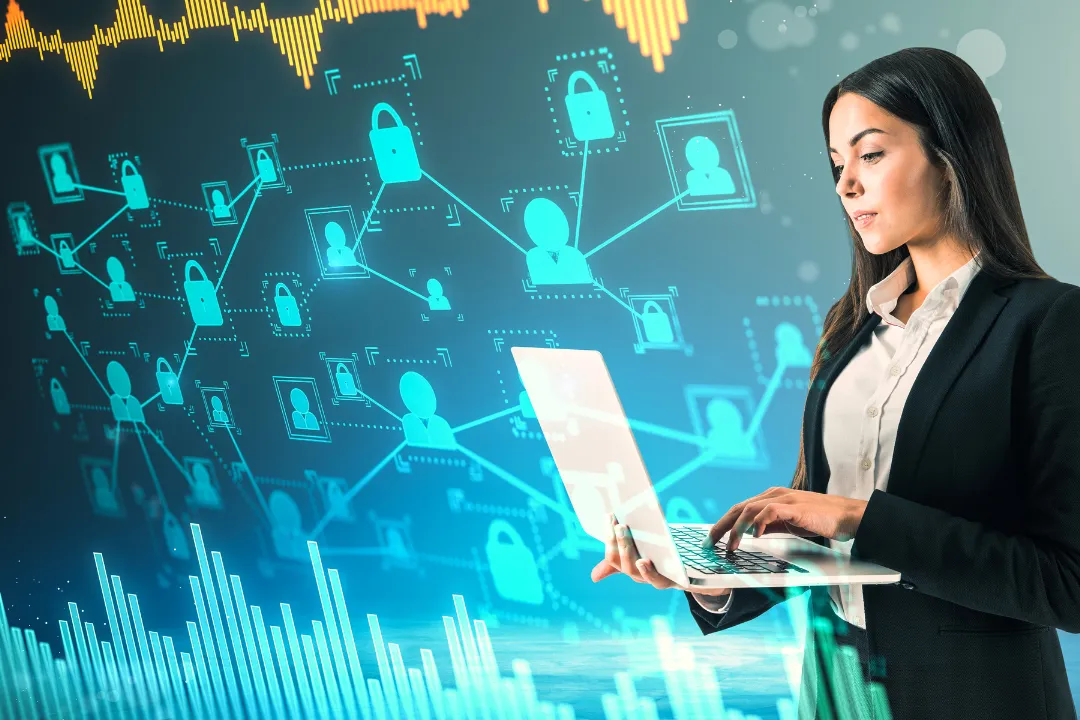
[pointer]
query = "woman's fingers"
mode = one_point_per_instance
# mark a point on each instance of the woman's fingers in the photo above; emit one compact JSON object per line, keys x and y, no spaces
{"x":602,"y":570}
{"x":650,"y":575}
{"x":628,"y":554}
{"x":612,"y":562}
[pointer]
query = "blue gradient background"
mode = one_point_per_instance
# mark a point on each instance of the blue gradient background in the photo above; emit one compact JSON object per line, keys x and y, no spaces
{"x":484,"y":122}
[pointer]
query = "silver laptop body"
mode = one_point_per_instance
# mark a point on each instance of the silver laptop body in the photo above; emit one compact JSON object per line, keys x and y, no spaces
{"x":593,"y":447}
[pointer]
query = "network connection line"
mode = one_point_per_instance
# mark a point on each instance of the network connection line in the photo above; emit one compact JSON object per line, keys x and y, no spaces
{"x":636,"y":223}
{"x":619,"y":300}
{"x":87,"y":364}
{"x":115,"y":458}
{"x":393,"y":282}
{"x":187,"y":351}
{"x":581,"y":193}
{"x":104,"y":225}
{"x":486,"y":419}
{"x":360,"y":484}
{"x":150,"y":467}
{"x":169,"y":454}
{"x":251,"y":476}
{"x":74,"y":262}
{"x":766,"y":399}
{"x":517,"y":483}
{"x":236,"y":243}
{"x":378,"y":404}
{"x":468,"y":207}
{"x":92,"y":188}
{"x":254,"y":181}
{"x":367,"y":220}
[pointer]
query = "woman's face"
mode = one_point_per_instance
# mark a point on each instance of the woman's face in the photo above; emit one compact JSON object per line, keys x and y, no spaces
{"x":884,"y":172}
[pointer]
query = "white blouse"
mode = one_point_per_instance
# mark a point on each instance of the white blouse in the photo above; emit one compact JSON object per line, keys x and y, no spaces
{"x":863,"y":407}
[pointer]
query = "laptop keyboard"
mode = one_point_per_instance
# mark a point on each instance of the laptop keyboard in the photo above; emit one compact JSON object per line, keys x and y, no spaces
{"x":717,"y":561}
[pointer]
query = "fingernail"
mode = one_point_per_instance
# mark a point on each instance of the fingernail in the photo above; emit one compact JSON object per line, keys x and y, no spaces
{"x":707,"y":542}
{"x":620,"y":530}
{"x":640,"y":565}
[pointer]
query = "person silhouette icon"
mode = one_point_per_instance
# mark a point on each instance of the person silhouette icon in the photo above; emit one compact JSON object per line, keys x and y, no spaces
{"x":395,"y":544}
{"x":61,"y":178}
{"x":203,"y":491}
{"x":218,"y":414}
{"x":552,"y":262}
{"x":302,"y":417}
{"x":220,"y":209}
{"x":175,"y":539}
{"x":67,"y":258}
{"x":337,"y":255}
{"x":791,"y":350}
{"x":706,"y":177}
{"x":53,"y":320}
{"x":436,"y":300}
{"x":422,"y":426}
{"x":285,"y":527}
{"x":104,"y":497}
{"x":22,"y":231}
{"x":726,"y":437}
{"x":124,"y":406}
{"x":119,"y":288}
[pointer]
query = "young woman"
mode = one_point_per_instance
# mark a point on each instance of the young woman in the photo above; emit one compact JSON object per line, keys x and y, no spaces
{"x":941,"y":431}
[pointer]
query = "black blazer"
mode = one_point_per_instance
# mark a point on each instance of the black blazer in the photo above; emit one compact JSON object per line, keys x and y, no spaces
{"x":981,"y":517}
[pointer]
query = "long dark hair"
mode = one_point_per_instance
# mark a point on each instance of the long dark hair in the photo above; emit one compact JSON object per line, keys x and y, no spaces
{"x":958,"y":126}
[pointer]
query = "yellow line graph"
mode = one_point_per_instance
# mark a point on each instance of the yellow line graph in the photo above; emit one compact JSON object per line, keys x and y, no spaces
{"x":652,"y":24}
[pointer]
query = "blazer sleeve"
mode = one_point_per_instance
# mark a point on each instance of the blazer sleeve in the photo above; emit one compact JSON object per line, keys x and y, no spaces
{"x":743,"y":604}
{"x":1033,"y":574}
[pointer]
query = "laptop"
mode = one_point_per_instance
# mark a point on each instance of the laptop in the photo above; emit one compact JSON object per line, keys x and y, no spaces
{"x":591,"y":442}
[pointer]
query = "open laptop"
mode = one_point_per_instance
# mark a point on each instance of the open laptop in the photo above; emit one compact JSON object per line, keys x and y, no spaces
{"x":594,"y":450}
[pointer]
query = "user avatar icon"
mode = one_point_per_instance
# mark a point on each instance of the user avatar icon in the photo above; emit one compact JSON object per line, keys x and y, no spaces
{"x":335,"y":500}
{"x":791,"y":350}
{"x":119,"y":288}
{"x":104,"y":498}
{"x":124,"y":406}
{"x":302,"y":417}
{"x":175,"y":539}
{"x":552,"y":262}
{"x":203,"y":491}
{"x":436,"y":300}
{"x":337,"y":255}
{"x":218,"y":410}
{"x":288,"y":537}
{"x":22,"y":231}
{"x":53,"y":320}
{"x":706,"y":177}
{"x":422,"y":426}
{"x":61,"y":178}
{"x":395,"y":544}
{"x":726,"y":436}
{"x":220,"y":209}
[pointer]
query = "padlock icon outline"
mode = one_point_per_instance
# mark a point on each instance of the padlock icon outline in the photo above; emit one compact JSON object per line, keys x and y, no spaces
{"x":59,"y":397}
{"x":204,"y":306}
{"x":287,"y":310}
{"x":655,"y":332}
{"x":265,"y":165}
{"x":168,"y":383}
{"x":345,"y":382}
{"x":134,"y":187}
{"x":590,"y":114}
{"x":519,"y":579}
{"x":393,"y":147}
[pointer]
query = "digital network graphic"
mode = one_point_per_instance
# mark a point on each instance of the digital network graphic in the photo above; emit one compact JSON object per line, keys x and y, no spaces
{"x":355,"y":317}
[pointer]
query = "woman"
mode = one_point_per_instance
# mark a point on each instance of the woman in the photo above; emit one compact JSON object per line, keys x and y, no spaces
{"x":949,"y":447}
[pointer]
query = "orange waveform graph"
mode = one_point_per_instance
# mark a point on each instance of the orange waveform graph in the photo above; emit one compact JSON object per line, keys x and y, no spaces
{"x":652,"y":24}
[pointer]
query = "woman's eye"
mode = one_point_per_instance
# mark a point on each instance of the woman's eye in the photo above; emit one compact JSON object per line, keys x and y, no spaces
{"x":871,"y":155}
{"x":839,"y":169}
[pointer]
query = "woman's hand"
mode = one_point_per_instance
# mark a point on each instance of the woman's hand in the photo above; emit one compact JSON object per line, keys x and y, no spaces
{"x":799,"y":512}
{"x":621,"y":555}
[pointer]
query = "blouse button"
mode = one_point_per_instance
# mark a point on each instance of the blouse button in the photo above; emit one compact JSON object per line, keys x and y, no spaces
{"x":894,"y":370}
{"x":866,"y":464}
{"x":872,"y":412}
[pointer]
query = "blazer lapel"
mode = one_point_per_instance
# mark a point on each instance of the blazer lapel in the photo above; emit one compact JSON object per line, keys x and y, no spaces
{"x":962,"y":335}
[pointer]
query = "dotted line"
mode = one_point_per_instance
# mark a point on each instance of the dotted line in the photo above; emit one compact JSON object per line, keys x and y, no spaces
{"x":541,"y":562}
{"x":424,"y":460}
{"x":78,"y":406}
{"x":390,"y":211}
{"x":523,"y":619}
{"x":552,"y":333}
{"x":115,"y":314}
{"x":558,"y":597}
{"x":374,"y":83}
{"x":159,"y":297}
{"x":410,"y":361}
{"x":281,"y":483}
{"x":538,"y":188}
{"x":467,"y":506}
{"x":246,"y":310}
{"x":113,"y":353}
{"x":234,"y":338}
{"x":328,"y":163}
{"x":448,"y":561}
{"x":412,"y":112}
{"x":364,"y":426}
{"x":198,"y":208}
{"x":564,"y":296}
{"x":185,"y":255}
